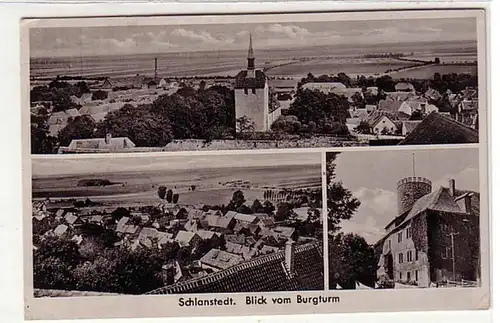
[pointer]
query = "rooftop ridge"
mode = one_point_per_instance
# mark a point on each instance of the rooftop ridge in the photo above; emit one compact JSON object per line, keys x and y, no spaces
{"x":231,"y":270}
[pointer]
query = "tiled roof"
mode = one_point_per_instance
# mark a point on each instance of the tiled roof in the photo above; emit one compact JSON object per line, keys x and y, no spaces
{"x":245,"y":217}
{"x":284,"y":232}
{"x":70,"y":218}
{"x":206,"y":235}
{"x":439,"y":129}
{"x":242,"y":81}
{"x":184,"y":237}
{"x":262,"y":274}
{"x":221,"y":259}
{"x":60,"y":229}
{"x":411,"y":125}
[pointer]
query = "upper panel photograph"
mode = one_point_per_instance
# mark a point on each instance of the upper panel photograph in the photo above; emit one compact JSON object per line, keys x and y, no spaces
{"x":252,"y":82}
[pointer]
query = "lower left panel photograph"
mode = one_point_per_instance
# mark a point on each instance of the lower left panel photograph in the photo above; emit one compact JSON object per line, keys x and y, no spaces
{"x":165,"y":224}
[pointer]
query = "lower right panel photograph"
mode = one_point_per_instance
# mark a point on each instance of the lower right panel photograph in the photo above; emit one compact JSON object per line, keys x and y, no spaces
{"x":402,"y":219}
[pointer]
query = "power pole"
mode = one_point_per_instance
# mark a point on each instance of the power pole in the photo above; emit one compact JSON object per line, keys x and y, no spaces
{"x":452,"y":236}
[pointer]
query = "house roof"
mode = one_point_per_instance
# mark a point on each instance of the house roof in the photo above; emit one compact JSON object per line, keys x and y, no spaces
{"x":399,"y":95}
{"x":235,"y":238}
{"x":185,"y":237}
{"x":242,"y":81}
{"x":323,"y":85}
{"x":260,"y":274}
{"x":206,"y":235}
{"x":440,"y":129}
{"x":389,"y":105}
{"x":411,"y":125}
{"x":404,"y":86}
{"x":302,"y":213}
{"x":90,"y":109}
{"x":221,"y":259}
{"x":120,"y":226}
{"x":100,"y":143}
{"x":236,"y":248}
{"x":245,"y":217}
{"x":284,"y":232}
{"x":70,"y":218}
{"x":61,"y":229}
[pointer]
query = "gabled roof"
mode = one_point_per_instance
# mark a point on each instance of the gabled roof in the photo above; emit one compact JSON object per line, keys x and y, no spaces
{"x":439,"y":200}
{"x":410,"y":125}
{"x":185,"y":237}
{"x":245,"y":217}
{"x":266,"y":273}
{"x":206,"y":235}
{"x":439,"y":129}
{"x":221,"y":259}
{"x":404,"y":86}
{"x":61,"y":229}
{"x":242,"y":81}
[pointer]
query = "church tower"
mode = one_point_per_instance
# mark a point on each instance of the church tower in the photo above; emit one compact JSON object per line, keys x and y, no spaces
{"x":251,"y":94}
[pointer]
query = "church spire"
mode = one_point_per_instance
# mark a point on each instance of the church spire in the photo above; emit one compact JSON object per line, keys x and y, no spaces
{"x":250,"y":58}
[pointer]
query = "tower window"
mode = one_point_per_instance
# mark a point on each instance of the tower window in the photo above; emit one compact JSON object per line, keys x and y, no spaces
{"x":408,"y":276}
{"x":416,"y":275}
{"x":253,"y":91}
{"x":246,"y":91}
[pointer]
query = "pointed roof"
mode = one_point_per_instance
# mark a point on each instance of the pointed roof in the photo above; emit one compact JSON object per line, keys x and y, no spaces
{"x":250,"y":48}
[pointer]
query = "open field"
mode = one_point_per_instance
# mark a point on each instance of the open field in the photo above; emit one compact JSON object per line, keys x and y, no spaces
{"x":427,"y":72}
{"x":317,"y":60}
{"x":141,"y":187}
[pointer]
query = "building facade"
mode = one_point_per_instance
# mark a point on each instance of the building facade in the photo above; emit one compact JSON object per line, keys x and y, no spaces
{"x":251,"y":95}
{"x":434,"y":238}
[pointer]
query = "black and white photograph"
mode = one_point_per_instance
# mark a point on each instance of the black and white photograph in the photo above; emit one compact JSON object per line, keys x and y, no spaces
{"x":230,"y":86}
{"x":403,"y":219}
{"x":177,"y":225}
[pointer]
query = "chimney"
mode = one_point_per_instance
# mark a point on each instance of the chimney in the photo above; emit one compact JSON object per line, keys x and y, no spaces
{"x":289,"y":256}
{"x":452,"y":187}
{"x":108,"y":137}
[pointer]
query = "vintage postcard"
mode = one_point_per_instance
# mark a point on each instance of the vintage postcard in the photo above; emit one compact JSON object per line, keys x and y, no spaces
{"x":253,"y":82}
{"x":220,"y":165}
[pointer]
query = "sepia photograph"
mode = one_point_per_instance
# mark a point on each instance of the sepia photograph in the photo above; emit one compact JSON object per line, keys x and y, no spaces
{"x":310,"y":83}
{"x":170,"y":225}
{"x":403,"y":219}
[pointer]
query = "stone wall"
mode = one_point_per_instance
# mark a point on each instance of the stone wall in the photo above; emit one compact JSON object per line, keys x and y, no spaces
{"x":254,"y":104}
{"x":319,"y":142}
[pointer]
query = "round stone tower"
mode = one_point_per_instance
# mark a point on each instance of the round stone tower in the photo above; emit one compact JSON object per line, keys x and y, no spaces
{"x":410,"y":189}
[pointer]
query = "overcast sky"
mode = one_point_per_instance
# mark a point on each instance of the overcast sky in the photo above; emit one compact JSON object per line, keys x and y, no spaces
{"x":179,"y":38}
{"x":92,"y":165}
{"x":372,"y":177}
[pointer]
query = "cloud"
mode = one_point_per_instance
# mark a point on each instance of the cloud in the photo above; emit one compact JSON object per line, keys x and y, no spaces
{"x":203,"y":36}
{"x":290,"y":31}
{"x":378,"y":207}
{"x":467,"y":179}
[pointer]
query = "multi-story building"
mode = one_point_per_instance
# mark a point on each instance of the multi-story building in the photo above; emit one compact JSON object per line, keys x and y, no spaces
{"x":434,"y":238}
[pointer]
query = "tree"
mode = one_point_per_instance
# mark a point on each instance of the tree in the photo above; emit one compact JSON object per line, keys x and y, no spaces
{"x":283,"y":212}
{"x":287,"y":124}
{"x":162,"y":191}
{"x":99,"y":95}
{"x":358,"y":100}
{"x":417,"y":115}
{"x":170,"y":195}
{"x":351,"y":260}
{"x":363,"y":127}
{"x":317,"y":107}
{"x":244,"y":124}
{"x":340,"y":202}
{"x":237,"y":200}
{"x":203,"y":85}
{"x":141,"y":126}
{"x":257,"y":207}
{"x":119,"y":213}
{"x":437,"y":60}
{"x":175,"y":198}
{"x":385,"y":83}
{"x":244,"y":209}
{"x":41,"y":141}
{"x":81,"y":127}
{"x":268,"y":207}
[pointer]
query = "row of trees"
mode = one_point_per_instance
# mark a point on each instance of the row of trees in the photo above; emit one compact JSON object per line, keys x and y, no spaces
{"x":168,"y":195}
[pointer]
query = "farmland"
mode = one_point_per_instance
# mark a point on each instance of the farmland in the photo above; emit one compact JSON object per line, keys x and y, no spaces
{"x":141,"y":187}
{"x":427,"y":72}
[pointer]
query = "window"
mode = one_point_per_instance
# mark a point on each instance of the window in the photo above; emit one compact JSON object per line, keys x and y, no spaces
{"x":389,"y":243}
{"x":400,"y":276}
{"x":400,"y":258}
{"x":246,"y":91}
{"x":408,"y":276}
{"x":409,"y":256}
{"x":416,"y":255}
{"x":416,"y":275}
{"x":400,"y":236}
{"x":253,"y":91}
{"x":408,"y":233}
{"x":446,"y":253}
